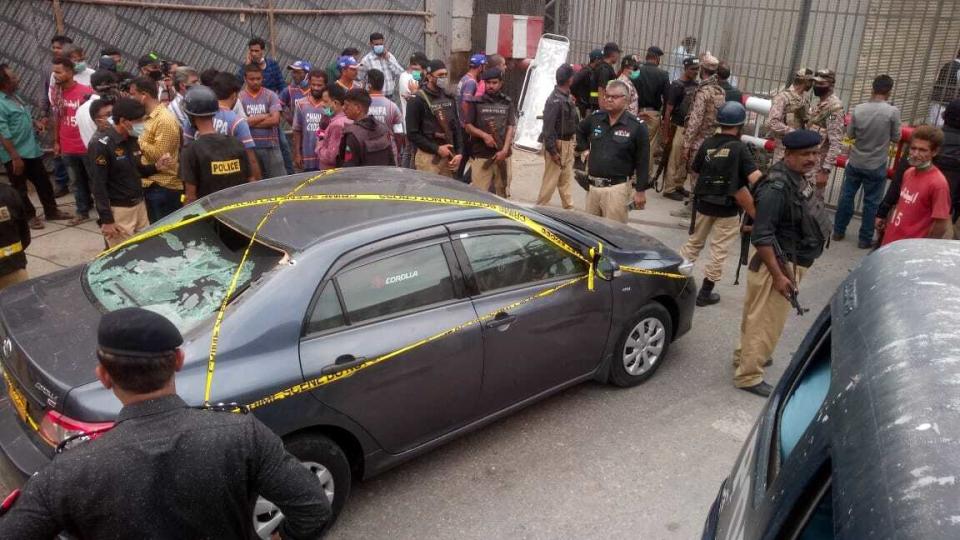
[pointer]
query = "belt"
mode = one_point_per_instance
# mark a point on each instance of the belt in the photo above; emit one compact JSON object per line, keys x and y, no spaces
{"x":12,"y":249}
{"x":600,"y":181}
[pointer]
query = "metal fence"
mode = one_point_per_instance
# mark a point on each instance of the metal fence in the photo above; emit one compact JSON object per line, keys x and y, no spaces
{"x":213,"y":39}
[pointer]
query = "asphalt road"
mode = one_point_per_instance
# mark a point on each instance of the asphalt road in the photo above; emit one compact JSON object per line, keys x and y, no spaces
{"x":597,"y":461}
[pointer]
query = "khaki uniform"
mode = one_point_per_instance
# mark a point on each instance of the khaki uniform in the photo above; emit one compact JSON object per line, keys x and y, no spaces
{"x":610,"y":202}
{"x":677,"y":166}
{"x":129,"y":221}
{"x":722,"y":232}
{"x":558,"y":177}
{"x":652,"y":119}
{"x":826,"y":118}
{"x":765,"y":312}
{"x":789,"y":111}
{"x":17,"y":276}
{"x":496,"y":175}
{"x":423,"y":161}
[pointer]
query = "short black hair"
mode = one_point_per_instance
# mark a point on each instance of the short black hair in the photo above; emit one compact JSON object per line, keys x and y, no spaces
{"x":375,"y":36}
{"x":139,"y":374}
{"x":317,"y":72}
{"x":883,"y":85}
{"x":103,"y":77}
{"x":207,"y":76}
{"x":65,"y":61}
{"x":128,"y":109}
{"x":61,"y":39}
{"x":251,"y":68}
{"x":336,"y":92}
{"x":350,"y":51}
{"x":723,"y":71}
{"x":256,"y":40}
{"x":109,"y":50}
{"x":375,"y":79}
{"x":225,"y":84}
{"x":98,"y":105}
{"x":628,"y":62}
{"x":358,"y":96}
{"x":146,"y":85}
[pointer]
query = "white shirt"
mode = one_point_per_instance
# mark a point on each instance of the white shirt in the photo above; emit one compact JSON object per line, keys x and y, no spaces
{"x":85,"y":123}
{"x":403,"y":84}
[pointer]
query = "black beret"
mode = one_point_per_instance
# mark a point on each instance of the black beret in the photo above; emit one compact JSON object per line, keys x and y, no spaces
{"x":801,"y":139}
{"x":137,"y":331}
{"x":657,"y":51}
{"x":564,"y":73}
{"x":492,"y":73}
{"x":691,"y":61}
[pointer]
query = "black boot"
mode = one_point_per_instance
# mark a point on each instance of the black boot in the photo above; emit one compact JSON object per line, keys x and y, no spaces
{"x":706,"y":296}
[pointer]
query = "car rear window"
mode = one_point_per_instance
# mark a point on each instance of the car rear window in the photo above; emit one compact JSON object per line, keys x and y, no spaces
{"x":182,"y":274}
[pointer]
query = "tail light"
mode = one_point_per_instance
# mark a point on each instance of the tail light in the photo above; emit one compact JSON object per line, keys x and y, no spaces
{"x":56,"y":428}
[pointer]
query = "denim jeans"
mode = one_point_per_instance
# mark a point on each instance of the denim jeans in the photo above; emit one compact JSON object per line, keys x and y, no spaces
{"x":873,"y":183}
{"x":285,"y":152}
{"x":60,"y":175}
{"x":271,"y":162}
{"x":76,"y":165}
{"x":161,"y":202}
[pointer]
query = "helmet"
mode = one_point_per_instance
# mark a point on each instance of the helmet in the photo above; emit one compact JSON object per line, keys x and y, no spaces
{"x":200,"y":101}
{"x":732,"y":114}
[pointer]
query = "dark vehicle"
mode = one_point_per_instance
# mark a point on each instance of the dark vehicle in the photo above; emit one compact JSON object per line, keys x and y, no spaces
{"x":861,"y":438}
{"x":329,"y":284}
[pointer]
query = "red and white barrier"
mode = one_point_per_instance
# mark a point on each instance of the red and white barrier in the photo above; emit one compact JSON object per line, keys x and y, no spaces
{"x":513,"y":36}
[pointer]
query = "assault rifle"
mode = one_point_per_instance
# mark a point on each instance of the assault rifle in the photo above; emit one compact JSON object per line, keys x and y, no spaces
{"x":447,"y":135}
{"x":658,"y":177}
{"x":787,"y":271}
{"x":492,"y":130}
{"x":744,"y":246}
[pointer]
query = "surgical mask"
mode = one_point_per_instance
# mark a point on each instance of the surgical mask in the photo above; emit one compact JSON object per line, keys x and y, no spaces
{"x":821,"y":91}
{"x":442,"y":82}
{"x":137,"y":130}
{"x":634,"y":75}
{"x":328,"y":111}
{"x":921,"y":165}
{"x":379,"y":49}
{"x":416,"y":74}
{"x":80,"y":67}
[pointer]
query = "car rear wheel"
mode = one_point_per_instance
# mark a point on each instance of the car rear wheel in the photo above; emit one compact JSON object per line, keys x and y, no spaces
{"x":331,"y":467}
{"x":642,"y":347}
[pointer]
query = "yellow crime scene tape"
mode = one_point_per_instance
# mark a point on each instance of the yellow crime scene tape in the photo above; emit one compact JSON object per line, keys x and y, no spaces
{"x":293,"y":197}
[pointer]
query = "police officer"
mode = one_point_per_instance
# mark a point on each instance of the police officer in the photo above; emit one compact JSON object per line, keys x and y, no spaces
{"x":679,"y":99}
{"x":652,"y":84}
{"x":584,"y":89}
{"x":618,"y":157}
{"x":826,"y":118}
{"x":559,"y":127}
{"x":491,"y":123}
{"x":789,"y":233}
{"x":14,"y":237}
{"x":789,"y":110}
{"x":367,"y":141}
{"x":726,"y":171}
{"x":433,"y":125}
{"x":605,"y":70}
{"x":164,"y":470}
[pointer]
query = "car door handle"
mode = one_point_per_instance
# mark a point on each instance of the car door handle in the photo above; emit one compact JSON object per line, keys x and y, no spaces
{"x":501,"y":320}
{"x":342,"y":362}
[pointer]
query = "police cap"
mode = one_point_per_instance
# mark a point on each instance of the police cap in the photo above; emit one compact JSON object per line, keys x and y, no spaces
{"x":596,"y":54}
{"x":709,"y":61}
{"x":435,"y":65}
{"x":691,"y":61}
{"x":804,"y":73}
{"x":801,"y":139}
{"x":137,"y":332}
{"x":655,"y":51}
{"x":825,"y":75}
{"x":492,"y":73}
{"x":564,"y":73}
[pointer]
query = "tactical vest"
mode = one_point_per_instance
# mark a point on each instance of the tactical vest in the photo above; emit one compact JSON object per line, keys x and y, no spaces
{"x":717,"y":182}
{"x":492,"y":117}
{"x":376,"y":147}
{"x":808,"y":213}
{"x":689,"y":93}
{"x":442,"y":108}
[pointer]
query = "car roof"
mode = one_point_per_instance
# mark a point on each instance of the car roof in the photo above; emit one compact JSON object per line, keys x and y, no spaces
{"x":300,"y":225}
{"x":894,"y":403}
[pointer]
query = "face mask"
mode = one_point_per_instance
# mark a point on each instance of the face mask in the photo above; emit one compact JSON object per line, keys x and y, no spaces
{"x":80,"y":67}
{"x":922,"y":165}
{"x":379,"y":49}
{"x":442,"y":82}
{"x":156,"y":75}
{"x":417,"y":75}
{"x":137,"y":130}
{"x":821,"y":91}
{"x":634,"y":75}
{"x":328,"y":111}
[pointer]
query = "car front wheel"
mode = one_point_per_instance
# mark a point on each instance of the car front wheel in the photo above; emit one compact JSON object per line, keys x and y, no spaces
{"x":327,"y":462}
{"x":642,"y":347}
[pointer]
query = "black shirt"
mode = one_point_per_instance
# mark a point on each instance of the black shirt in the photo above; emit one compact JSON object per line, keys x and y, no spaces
{"x":115,"y":171}
{"x":583,"y":85}
{"x":560,"y":119}
{"x":214,"y":161}
{"x":618,"y":151}
{"x":738,"y":156}
{"x":652,"y":86}
{"x":603,"y":74}
{"x":169,"y":471}
{"x":423,"y":127}
{"x":732,"y":92}
{"x":14,"y":231}
{"x":504,"y":117}
{"x":675,"y":93}
{"x":779,"y":214}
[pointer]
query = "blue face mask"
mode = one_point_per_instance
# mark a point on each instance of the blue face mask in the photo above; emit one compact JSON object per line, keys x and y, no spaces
{"x":417,"y":75}
{"x":379,"y":49}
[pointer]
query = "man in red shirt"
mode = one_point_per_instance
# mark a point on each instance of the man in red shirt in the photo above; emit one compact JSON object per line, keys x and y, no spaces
{"x":65,"y":98}
{"x":923,"y":210}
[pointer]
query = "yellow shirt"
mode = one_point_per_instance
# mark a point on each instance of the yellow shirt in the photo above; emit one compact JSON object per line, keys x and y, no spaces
{"x":161,"y":135}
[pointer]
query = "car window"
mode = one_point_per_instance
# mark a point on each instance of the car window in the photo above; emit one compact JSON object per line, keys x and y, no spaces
{"x":804,"y":399}
{"x":508,"y":259}
{"x":401,"y":282}
{"x":327,"y":313}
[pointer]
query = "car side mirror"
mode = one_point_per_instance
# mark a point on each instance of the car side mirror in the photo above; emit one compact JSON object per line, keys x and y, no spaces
{"x":607,"y":268}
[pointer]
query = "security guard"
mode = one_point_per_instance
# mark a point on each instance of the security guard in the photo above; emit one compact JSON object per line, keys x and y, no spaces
{"x":679,"y":100}
{"x":789,"y":233}
{"x":164,"y":470}
{"x":583,"y":88}
{"x":826,"y":118}
{"x":618,"y":157}
{"x":726,"y":171}
{"x":433,"y":125}
{"x":559,"y":127}
{"x":652,"y":84}
{"x":491,"y":123}
{"x":14,"y":237}
{"x":789,"y":110}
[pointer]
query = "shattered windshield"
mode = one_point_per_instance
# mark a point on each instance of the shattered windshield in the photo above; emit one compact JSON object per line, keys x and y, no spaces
{"x":182,"y":274}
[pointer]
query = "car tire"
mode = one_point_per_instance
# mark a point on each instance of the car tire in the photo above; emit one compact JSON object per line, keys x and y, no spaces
{"x":642,"y":347}
{"x":327,"y":460}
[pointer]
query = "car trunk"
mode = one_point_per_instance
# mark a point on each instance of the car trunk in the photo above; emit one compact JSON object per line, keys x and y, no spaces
{"x":616,"y":234}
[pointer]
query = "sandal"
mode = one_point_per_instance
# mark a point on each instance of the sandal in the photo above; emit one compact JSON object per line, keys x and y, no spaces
{"x":77,"y":220}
